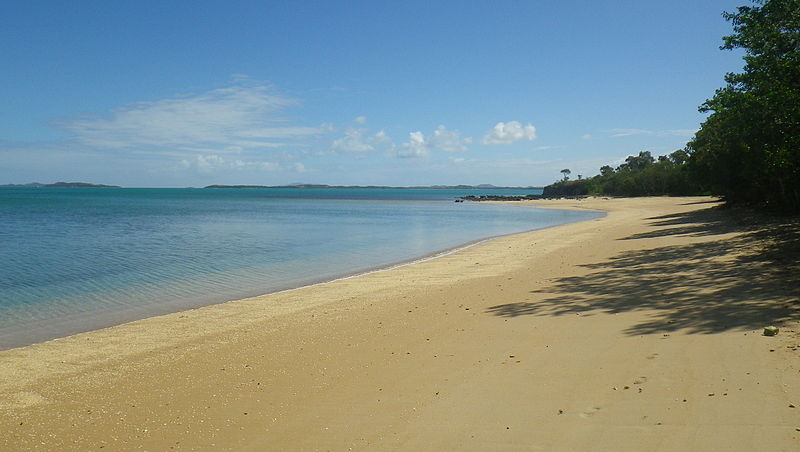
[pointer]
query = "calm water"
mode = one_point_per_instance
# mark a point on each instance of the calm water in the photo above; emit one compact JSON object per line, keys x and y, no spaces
{"x":77,"y":259}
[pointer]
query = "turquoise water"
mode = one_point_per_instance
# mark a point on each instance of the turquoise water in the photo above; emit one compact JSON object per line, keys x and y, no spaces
{"x":76,"y":259}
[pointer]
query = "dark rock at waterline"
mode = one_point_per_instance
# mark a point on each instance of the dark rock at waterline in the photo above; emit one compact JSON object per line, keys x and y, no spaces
{"x":514,"y":197}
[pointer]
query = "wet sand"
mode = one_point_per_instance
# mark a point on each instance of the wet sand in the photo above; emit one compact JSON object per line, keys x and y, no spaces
{"x":637,"y":331}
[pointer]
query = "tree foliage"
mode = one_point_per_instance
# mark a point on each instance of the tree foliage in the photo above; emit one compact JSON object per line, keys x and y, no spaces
{"x":748,"y":149}
{"x":640,"y":175}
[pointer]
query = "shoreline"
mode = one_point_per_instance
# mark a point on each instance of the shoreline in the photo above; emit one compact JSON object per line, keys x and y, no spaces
{"x":107,"y":318}
{"x":639,"y":330}
{"x":412,"y":261}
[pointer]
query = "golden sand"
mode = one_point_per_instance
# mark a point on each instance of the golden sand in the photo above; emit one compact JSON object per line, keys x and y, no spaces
{"x":639,"y":331}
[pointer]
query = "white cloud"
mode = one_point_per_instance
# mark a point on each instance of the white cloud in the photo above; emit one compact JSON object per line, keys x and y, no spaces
{"x":359,"y":140}
{"x":243,"y":116}
{"x":448,"y":140}
{"x":510,"y":132}
{"x":353,"y":141}
{"x":212,"y":163}
{"x":416,"y":146}
{"x":586,"y":137}
{"x":442,"y":139}
{"x":299,"y":168}
{"x":361,"y":120}
{"x":267,"y":166}
{"x":381,"y":137}
{"x":628,"y":132}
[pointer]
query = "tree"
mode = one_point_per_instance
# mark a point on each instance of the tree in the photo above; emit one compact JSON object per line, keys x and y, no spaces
{"x":679,"y":157}
{"x":642,"y":175}
{"x":640,"y":162}
{"x":748,"y":149}
{"x":566,"y":172}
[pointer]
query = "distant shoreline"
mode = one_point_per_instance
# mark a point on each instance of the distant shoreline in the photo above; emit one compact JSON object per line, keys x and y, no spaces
{"x":59,"y":185}
{"x":421,"y":187}
{"x":303,"y":186}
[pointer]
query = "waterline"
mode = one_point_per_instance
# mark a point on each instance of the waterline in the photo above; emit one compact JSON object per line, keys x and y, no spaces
{"x":80,"y":260}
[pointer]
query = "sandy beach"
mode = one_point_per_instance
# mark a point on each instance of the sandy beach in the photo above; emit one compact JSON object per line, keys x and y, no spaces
{"x":639,"y":331}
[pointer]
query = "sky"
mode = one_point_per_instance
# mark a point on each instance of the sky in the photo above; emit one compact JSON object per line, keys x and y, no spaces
{"x":179,"y":93}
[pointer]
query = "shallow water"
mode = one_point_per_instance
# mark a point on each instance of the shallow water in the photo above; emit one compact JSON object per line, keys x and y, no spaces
{"x":78,"y":259}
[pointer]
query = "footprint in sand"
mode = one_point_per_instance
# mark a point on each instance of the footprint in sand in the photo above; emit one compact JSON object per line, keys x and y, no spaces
{"x":590,"y":412}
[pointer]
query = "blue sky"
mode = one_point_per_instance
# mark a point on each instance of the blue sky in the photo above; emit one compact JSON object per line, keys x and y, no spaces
{"x":174,"y":93}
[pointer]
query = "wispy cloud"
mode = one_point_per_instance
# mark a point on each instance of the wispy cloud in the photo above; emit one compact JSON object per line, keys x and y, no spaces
{"x":360,"y":140}
{"x":245,"y":116}
{"x":616,"y":133}
{"x":509,"y":132}
{"x":213,"y":163}
{"x":628,"y":132}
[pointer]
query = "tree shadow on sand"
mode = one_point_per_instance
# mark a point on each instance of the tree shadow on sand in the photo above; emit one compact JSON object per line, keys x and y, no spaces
{"x":738,"y":281}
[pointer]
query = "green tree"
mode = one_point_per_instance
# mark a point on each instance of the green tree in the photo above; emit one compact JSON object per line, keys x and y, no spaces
{"x":679,"y":157}
{"x":639,"y":162}
{"x":566,"y":172}
{"x":643,"y":175}
{"x":748,"y":149}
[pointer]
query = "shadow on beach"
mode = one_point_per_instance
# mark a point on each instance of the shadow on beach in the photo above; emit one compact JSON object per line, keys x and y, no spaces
{"x":745,"y":278}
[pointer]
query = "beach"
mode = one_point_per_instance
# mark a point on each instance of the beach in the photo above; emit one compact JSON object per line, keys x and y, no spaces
{"x":637,"y":331}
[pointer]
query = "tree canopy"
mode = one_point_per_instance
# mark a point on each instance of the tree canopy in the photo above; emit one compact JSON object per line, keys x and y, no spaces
{"x":748,"y":149}
{"x":640,"y":175}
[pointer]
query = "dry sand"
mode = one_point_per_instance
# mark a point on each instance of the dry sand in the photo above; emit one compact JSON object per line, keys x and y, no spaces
{"x":639,"y":331}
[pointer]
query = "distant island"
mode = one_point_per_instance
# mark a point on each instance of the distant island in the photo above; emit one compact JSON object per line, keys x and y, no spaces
{"x":59,"y":185}
{"x":426,"y":187}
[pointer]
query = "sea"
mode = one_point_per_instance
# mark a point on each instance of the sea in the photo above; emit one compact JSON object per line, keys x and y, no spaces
{"x":79,"y":259}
